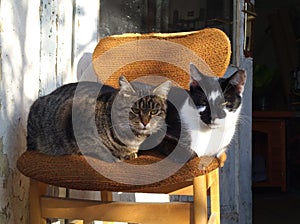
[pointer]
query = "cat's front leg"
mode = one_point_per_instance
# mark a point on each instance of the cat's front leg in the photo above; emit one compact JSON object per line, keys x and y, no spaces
{"x":131,"y":156}
{"x":107,"y":157}
{"x":125,"y":155}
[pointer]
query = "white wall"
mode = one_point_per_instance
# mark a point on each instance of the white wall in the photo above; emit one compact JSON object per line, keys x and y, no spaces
{"x":41,"y":43}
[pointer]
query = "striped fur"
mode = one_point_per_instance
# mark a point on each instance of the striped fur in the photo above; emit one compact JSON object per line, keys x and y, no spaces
{"x":110,"y":125}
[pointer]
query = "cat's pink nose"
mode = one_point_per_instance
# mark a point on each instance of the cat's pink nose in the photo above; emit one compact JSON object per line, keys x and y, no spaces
{"x":145,"y":121}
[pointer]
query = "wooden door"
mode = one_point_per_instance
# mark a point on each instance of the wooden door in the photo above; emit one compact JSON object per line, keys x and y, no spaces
{"x":236,"y":176}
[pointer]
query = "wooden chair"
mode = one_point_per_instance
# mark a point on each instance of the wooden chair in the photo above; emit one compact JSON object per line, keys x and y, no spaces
{"x":197,"y":177}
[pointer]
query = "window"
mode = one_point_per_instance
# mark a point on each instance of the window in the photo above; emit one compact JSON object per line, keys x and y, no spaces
{"x":145,"y":16}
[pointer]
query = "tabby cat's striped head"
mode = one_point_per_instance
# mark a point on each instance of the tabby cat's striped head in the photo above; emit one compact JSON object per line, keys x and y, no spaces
{"x":145,"y":105}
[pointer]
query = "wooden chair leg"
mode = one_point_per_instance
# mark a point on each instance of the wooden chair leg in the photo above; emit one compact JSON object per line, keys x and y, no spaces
{"x":200,"y":200}
{"x":37,"y":189}
{"x":215,"y":196}
{"x":106,"y":196}
{"x":212,"y":219}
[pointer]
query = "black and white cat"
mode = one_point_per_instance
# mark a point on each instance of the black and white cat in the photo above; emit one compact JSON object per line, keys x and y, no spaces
{"x":218,"y":102}
{"x":205,"y":122}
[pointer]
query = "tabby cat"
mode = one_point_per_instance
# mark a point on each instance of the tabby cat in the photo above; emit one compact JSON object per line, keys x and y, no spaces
{"x":110,"y":125}
{"x":206,"y":121}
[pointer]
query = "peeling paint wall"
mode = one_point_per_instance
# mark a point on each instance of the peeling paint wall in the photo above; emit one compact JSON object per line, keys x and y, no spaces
{"x":41,"y":44}
{"x":4,"y":173}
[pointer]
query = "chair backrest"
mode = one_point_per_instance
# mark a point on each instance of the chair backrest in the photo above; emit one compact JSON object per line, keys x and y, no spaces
{"x":167,"y":55}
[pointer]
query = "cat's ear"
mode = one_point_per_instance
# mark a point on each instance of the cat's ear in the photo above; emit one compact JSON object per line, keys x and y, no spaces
{"x":238,"y":80}
{"x":163,"y":89}
{"x":125,"y":85}
{"x":195,"y":75}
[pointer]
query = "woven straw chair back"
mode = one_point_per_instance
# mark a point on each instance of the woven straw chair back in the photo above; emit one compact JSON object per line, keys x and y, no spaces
{"x":164,"y":55}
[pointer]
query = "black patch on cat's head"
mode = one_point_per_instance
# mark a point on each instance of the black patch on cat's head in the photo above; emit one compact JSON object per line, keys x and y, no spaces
{"x":207,"y":95}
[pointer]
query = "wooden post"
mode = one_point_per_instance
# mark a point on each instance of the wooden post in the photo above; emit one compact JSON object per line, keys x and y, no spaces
{"x":105,"y":197}
{"x":37,"y":189}
{"x":200,"y":200}
{"x":215,"y":196}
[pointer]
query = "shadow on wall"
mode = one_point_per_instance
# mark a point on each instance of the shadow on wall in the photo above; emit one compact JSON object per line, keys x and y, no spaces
{"x":85,"y":70}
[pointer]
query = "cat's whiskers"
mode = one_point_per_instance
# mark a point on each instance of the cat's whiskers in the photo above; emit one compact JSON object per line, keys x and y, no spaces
{"x":214,"y":125}
{"x":119,"y":125}
{"x":244,"y":120}
{"x":160,"y":128}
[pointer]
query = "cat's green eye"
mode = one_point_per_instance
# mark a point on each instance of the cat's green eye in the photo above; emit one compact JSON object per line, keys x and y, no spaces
{"x":153,"y":112}
{"x":135,"y":110}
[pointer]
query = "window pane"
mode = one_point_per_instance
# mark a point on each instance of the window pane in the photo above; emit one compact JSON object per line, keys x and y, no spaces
{"x":144,"y":16}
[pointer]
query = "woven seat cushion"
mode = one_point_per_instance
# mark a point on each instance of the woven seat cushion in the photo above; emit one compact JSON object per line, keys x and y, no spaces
{"x":73,"y":171}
